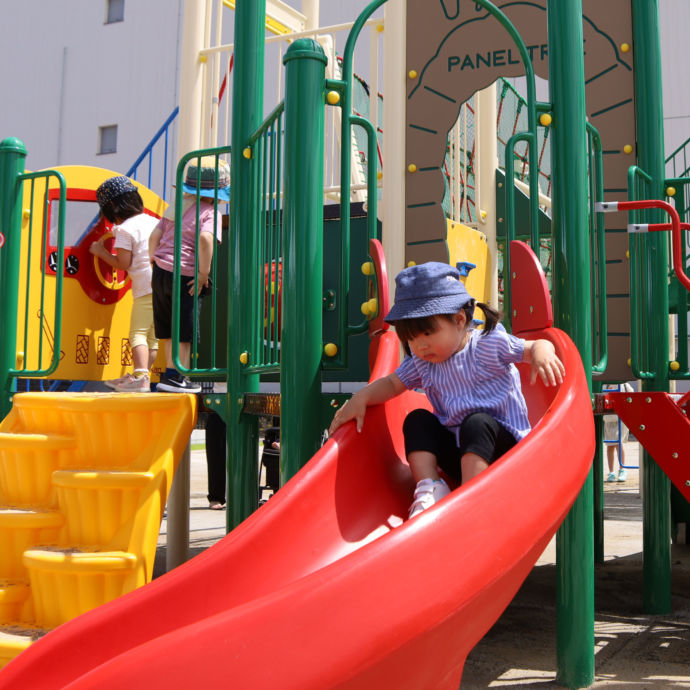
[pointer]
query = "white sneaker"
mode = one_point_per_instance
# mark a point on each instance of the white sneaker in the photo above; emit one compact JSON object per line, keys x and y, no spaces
{"x":114,"y":383}
{"x":428,"y":492}
{"x":140,"y":384}
{"x":622,"y":475}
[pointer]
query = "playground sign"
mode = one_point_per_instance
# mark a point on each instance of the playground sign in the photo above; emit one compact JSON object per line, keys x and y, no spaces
{"x":456,"y":48}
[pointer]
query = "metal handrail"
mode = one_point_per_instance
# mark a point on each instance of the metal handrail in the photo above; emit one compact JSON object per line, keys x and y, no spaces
{"x":59,"y":273}
{"x":598,"y":243}
{"x":213,"y":370}
{"x":148,"y":151}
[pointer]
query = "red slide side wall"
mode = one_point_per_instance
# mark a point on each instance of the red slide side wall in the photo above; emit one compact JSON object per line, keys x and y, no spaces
{"x":318,"y":590}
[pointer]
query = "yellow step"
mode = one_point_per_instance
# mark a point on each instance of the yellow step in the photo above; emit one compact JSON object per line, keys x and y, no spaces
{"x":14,"y":639}
{"x":27,"y":462}
{"x":13,"y":595}
{"x":20,"y":529}
{"x":66,"y":582}
{"x":97,"y":503}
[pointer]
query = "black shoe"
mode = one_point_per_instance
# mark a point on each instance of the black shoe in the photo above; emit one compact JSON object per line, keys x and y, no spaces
{"x":177,"y":384}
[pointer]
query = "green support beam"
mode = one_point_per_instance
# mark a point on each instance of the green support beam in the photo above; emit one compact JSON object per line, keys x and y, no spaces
{"x":302,"y":288}
{"x":649,"y":121}
{"x":12,"y":157}
{"x":247,"y":115}
{"x":572,"y":295}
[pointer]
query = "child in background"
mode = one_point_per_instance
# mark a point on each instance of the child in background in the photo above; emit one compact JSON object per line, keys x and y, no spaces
{"x":200,"y":173}
{"x":611,"y":434}
{"x":121,"y":204}
{"x":468,"y":375}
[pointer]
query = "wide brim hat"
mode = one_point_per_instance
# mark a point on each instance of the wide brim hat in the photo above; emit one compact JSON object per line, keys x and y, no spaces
{"x":428,"y":289}
{"x":200,"y":178}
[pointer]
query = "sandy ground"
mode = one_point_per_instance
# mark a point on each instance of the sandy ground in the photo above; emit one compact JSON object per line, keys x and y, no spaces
{"x":633,"y":650}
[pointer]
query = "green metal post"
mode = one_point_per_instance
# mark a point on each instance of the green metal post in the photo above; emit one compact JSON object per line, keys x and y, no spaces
{"x":301,"y":335}
{"x":12,"y":157}
{"x":598,"y":480}
{"x":247,"y":114}
{"x":572,"y":297}
{"x":656,"y":534}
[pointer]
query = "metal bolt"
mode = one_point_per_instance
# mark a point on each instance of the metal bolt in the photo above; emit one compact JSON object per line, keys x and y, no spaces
{"x":674,"y":455}
{"x":648,"y":400}
{"x":628,"y":400}
{"x":687,"y":482}
{"x":642,"y":427}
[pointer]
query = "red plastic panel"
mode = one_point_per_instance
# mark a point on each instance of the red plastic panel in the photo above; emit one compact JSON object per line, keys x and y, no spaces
{"x":662,"y":427}
{"x":531,"y":302}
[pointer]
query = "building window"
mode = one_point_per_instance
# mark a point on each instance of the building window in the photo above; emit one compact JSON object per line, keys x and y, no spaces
{"x":107,"y":139}
{"x":115,"y":11}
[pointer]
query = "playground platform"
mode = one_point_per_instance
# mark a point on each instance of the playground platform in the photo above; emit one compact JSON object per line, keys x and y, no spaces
{"x":633,"y":650}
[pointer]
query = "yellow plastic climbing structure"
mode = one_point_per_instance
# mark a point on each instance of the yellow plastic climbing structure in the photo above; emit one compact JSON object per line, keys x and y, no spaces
{"x":84,"y":480}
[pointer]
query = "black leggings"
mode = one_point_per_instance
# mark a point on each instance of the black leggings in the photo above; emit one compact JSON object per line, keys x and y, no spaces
{"x":480,"y":433}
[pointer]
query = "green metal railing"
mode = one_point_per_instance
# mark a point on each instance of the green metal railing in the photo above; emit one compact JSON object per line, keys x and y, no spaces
{"x":678,"y":295}
{"x":680,"y":160}
{"x":193,"y":370}
{"x":12,"y":181}
{"x":597,"y":229}
{"x":267,"y":147}
{"x":639,"y":187}
{"x":32,"y":263}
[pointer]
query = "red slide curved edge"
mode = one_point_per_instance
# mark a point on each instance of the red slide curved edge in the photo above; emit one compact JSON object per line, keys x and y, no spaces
{"x":318,"y":589}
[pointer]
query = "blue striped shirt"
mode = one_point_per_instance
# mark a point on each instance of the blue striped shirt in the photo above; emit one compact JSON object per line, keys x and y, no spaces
{"x":482,"y":377}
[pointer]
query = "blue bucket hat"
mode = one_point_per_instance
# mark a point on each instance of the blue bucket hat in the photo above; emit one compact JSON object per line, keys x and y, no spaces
{"x":428,"y":290}
{"x":204,"y":171}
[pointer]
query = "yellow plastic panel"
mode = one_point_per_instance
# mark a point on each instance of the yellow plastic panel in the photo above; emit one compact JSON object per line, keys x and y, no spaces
{"x":20,"y":529}
{"x":467,"y":244}
{"x":110,"y":458}
{"x":95,"y":335}
{"x":27,"y":462}
{"x":66,"y":583}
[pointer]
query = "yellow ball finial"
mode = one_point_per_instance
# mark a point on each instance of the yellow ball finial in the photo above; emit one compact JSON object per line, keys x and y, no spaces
{"x":379,"y":28}
{"x":545,"y":119}
{"x":411,"y":263}
{"x":244,"y":357}
{"x":412,"y":168}
{"x":627,"y":253}
{"x":379,"y":174}
{"x":670,"y":191}
{"x":247,"y":153}
{"x":674,"y":365}
{"x":627,"y":149}
{"x":625,"y":47}
{"x":368,"y":268}
{"x":330,"y":349}
{"x":412,"y":74}
{"x":629,"y":361}
{"x":202,"y":58}
{"x":333,"y":97}
{"x":373,"y":305}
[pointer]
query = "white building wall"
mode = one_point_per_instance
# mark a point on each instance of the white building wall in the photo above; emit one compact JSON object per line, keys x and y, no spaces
{"x":66,"y":73}
{"x":674,"y":29}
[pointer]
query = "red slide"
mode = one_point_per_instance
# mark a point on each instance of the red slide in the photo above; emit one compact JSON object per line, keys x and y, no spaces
{"x":321,"y":589}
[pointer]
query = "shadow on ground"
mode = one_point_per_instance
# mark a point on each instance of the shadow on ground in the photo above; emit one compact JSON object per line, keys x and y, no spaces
{"x":633,"y":650}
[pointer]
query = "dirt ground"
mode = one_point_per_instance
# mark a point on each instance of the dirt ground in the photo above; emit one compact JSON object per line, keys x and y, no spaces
{"x":632,"y":650}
